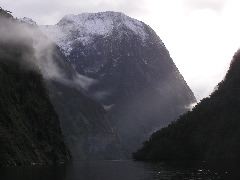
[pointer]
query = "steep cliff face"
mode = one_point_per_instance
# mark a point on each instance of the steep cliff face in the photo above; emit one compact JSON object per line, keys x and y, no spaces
{"x":135,"y":78}
{"x":209,"y":132}
{"x":86,"y":128}
{"x":29,"y":127}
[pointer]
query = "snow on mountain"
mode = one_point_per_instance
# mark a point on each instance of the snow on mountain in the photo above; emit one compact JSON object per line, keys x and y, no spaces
{"x":83,"y":27}
{"x":28,"y":21}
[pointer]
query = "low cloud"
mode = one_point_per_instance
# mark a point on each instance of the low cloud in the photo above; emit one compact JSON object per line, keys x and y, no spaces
{"x":84,"y":81}
{"x":38,"y":53}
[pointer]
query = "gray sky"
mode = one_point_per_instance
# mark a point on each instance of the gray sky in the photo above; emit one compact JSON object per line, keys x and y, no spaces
{"x":201,"y":35}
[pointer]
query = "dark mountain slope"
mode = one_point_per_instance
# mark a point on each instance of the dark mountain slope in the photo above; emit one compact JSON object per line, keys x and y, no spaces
{"x":29,"y":127}
{"x":84,"y":123}
{"x":86,"y":128}
{"x":210,"y":131}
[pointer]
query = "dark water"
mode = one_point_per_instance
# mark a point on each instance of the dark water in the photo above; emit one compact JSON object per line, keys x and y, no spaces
{"x":119,"y":170}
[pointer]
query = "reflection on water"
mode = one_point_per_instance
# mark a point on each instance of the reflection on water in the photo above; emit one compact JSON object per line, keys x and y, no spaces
{"x":118,"y":170}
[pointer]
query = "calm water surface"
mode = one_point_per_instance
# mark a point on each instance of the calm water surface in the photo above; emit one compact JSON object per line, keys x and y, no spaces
{"x":119,"y":170}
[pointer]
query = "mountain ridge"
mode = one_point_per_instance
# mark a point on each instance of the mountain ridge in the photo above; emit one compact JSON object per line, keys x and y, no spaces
{"x":86,"y":25}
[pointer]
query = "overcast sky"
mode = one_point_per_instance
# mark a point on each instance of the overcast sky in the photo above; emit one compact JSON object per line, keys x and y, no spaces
{"x":201,"y":35}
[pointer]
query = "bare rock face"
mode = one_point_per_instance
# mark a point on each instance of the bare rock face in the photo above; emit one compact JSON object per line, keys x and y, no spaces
{"x":135,"y":78}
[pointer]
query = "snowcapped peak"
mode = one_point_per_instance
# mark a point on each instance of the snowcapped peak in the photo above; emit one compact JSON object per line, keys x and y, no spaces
{"x":104,"y":16}
{"x":83,"y":27}
{"x":101,"y":23}
{"x":28,"y":21}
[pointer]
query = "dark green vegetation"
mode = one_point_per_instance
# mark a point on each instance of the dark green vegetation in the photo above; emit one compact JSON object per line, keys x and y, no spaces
{"x":29,"y":127}
{"x":211,"y":131}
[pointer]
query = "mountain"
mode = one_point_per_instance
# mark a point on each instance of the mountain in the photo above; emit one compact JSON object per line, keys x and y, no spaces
{"x":211,"y":131}
{"x":29,"y":126}
{"x":85,"y":126}
{"x":135,"y":78}
{"x":86,"y":129}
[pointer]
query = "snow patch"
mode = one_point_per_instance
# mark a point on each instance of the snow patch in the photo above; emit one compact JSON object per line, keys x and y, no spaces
{"x":108,"y":107}
{"x":145,"y":61}
{"x":28,"y":21}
